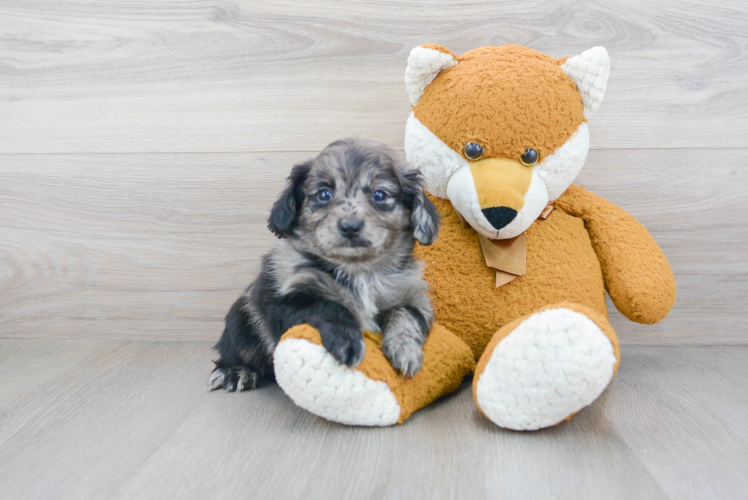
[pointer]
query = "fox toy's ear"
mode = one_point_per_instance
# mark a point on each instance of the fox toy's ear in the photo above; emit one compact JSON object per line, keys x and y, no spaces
{"x":284,"y":215}
{"x":424,"y":63}
{"x":590,"y":71}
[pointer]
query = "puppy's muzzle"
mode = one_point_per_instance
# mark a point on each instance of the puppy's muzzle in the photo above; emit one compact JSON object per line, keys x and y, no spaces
{"x":350,"y":228}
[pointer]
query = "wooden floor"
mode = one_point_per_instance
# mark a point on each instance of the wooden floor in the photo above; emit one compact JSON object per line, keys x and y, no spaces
{"x":109,"y":419}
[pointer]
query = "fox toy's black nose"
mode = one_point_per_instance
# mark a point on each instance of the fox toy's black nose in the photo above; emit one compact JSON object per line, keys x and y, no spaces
{"x":350,"y":228}
{"x":499,"y":216}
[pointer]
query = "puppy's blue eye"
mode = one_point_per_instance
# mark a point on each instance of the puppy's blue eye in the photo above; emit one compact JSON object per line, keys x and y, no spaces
{"x":324,"y":195}
{"x":379,"y":196}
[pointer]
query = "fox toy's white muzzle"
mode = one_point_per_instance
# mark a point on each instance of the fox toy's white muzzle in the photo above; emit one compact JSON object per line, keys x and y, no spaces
{"x":493,"y":205}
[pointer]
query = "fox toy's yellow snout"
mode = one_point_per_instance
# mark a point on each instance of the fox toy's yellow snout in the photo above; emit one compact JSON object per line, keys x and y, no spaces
{"x":501,"y":185}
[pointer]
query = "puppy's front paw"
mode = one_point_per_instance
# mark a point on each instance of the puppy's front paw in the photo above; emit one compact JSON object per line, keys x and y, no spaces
{"x":236,"y":378}
{"x":346,"y":344}
{"x":404,"y":352}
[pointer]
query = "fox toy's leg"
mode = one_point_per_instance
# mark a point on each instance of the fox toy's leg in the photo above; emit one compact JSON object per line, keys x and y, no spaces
{"x":373,"y":393}
{"x":543,"y":368}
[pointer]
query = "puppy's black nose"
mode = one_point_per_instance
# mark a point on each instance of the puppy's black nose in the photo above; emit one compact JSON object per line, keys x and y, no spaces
{"x":350,"y":228}
{"x":499,"y":216}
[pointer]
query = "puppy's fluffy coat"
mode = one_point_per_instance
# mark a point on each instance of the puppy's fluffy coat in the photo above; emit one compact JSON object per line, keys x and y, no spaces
{"x":347,"y":222}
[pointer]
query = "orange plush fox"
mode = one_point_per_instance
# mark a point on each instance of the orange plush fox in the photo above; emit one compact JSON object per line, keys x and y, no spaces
{"x":524,"y":257}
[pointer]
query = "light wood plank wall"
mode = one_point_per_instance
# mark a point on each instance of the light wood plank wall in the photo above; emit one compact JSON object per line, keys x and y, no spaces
{"x":142,"y":143}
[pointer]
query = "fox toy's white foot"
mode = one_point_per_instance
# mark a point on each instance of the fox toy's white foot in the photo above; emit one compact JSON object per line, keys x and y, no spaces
{"x":314,"y":380}
{"x":544,"y":368}
{"x":373,"y":393}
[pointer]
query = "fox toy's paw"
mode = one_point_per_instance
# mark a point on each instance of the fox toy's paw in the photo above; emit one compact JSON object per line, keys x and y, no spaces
{"x":317,"y":382}
{"x":542,"y":369}
{"x":373,"y":393}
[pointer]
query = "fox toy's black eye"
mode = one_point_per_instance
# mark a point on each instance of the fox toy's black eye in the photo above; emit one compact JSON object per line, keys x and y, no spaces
{"x":530,"y":157}
{"x":474,"y":151}
{"x":379,"y":196}
{"x":324,"y":196}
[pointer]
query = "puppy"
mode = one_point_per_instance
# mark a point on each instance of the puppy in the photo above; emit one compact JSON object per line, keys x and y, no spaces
{"x":347,"y":222}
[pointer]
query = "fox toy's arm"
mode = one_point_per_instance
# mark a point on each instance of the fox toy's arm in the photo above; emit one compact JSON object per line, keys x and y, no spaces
{"x":637,"y":274}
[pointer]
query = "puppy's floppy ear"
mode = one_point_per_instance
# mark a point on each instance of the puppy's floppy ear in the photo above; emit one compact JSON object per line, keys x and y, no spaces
{"x":424,"y":215}
{"x":284,"y":216}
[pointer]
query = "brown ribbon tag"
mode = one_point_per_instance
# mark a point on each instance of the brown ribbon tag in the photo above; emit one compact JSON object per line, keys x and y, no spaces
{"x":507,"y":257}
{"x":547,"y":210}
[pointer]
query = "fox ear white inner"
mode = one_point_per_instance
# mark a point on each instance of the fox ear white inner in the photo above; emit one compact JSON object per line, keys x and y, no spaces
{"x":590,"y":71}
{"x":424,"y":64}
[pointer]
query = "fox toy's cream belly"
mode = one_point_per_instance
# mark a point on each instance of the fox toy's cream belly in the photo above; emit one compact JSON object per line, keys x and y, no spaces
{"x":561,"y":266}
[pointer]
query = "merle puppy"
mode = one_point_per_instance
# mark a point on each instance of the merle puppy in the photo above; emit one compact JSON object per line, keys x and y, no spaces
{"x":347,"y":223}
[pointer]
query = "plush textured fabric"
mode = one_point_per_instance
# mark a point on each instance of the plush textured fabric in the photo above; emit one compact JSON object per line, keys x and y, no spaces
{"x":424,"y":64}
{"x":315,"y":381}
{"x":507,"y":98}
{"x":637,"y":274}
{"x":446,"y":361}
{"x":601,"y":320}
{"x":434,"y":159}
{"x":561,"y":266}
{"x":514,"y":178}
{"x":540,"y":369}
{"x":590,"y":71}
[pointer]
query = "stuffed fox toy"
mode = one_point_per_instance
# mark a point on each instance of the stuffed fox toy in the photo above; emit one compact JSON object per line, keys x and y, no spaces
{"x":519,"y":273}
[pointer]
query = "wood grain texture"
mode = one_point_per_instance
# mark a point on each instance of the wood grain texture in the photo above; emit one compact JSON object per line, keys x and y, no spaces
{"x":133,"y":420}
{"x":159,"y":246}
{"x":209,"y":76}
{"x":101,"y":419}
{"x":686,"y":408}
